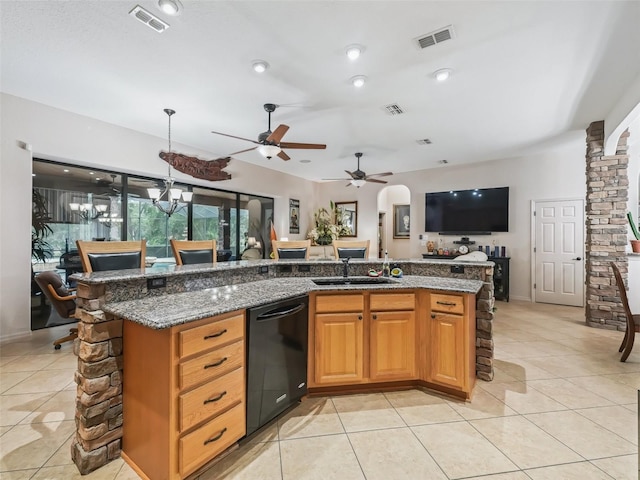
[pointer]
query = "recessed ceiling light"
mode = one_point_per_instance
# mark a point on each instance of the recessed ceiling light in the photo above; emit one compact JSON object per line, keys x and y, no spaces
{"x":66,"y":170}
{"x":97,"y":179}
{"x":354,"y":51}
{"x":260,"y":66}
{"x":442,"y":75}
{"x":305,"y":161}
{"x":33,"y":174}
{"x":90,"y":173}
{"x":170,"y":7}
{"x":358,"y":81}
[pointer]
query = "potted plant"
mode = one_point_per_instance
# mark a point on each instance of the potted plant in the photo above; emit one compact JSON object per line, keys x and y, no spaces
{"x":328,"y":226}
{"x":40,"y":248}
{"x":635,"y":244}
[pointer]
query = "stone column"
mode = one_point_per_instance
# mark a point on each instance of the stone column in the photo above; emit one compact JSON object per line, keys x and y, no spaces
{"x":606,"y":228}
{"x":99,"y":379}
{"x":484,"y":327}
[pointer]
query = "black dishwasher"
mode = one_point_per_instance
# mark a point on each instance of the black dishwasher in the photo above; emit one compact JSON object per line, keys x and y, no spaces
{"x":276,"y":359}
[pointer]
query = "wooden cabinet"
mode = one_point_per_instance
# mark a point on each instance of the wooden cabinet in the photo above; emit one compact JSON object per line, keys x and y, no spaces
{"x":450,"y":332}
{"x":183,"y":394}
{"x":361,"y":338}
{"x":339,"y":348}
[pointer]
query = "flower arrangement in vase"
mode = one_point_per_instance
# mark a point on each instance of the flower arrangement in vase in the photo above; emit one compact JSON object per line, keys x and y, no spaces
{"x":328,"y":226}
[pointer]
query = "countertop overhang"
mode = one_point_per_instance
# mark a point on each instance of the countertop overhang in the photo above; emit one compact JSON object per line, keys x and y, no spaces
{"x":221,"y":267}
{"x":165,"y":311}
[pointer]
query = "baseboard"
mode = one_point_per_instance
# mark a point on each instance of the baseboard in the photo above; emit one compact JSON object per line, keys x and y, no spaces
{"x":522,"y":299}
{"x":15,"y":336}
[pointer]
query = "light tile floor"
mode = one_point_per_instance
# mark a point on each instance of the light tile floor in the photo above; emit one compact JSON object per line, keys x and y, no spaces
{"x":561,"y":406}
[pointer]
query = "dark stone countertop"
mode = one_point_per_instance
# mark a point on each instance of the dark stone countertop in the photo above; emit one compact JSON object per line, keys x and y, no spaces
{"x":222,"y":267}
{"x":164,"y":311}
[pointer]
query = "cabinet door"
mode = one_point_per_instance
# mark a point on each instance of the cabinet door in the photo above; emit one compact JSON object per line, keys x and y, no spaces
{"x":448,"y":356}
{"x":339,"y":348}
{"x":393,"y":337}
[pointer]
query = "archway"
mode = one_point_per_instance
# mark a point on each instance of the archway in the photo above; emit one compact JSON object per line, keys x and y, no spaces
{"x":394,"y":221}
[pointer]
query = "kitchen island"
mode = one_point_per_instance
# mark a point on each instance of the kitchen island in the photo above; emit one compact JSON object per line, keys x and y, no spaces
{"x":129,"y":316}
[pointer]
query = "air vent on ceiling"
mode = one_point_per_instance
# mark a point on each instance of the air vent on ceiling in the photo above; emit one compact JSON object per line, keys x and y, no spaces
{"x":148,"y":19}
{"x":443,"y":162}
{"x":393,"y":109}
{"x":439,"y":36}
{"x":424,"y":141}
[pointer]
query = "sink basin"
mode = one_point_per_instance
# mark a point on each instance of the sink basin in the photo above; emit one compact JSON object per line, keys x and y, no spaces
{"x":352,"y":281}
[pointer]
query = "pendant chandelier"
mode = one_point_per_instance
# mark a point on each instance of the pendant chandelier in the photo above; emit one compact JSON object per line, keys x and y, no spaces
{"x":170,"y":194}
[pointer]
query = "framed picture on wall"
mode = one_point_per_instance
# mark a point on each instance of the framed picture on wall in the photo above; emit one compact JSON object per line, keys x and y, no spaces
{"x":294,"y":215}
{"x":401,"y":219}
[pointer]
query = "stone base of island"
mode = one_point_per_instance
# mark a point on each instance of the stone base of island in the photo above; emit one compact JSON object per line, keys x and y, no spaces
{"x":149,"y":341}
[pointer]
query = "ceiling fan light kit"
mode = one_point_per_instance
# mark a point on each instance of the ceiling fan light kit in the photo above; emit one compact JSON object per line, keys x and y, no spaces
{"x":269,"y":143}
{"x":359,"y":178}
{"x":269,"y":151}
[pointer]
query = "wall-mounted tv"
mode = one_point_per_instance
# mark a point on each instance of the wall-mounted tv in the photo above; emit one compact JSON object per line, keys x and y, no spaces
{"x":477,"y":211}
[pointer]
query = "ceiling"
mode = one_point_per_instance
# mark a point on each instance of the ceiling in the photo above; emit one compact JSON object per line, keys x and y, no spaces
{"x":525,"y":74}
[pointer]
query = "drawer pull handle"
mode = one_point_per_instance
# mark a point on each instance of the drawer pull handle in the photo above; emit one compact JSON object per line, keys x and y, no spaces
{"x":448,"y":304}
{"x":219,"y":397}
{"x":433,"y":315}
{"x":359,"y":317}
{"x":217,"y":364}
{"x":215,"y":335}
{"x":375,"y":317}
{"x":217,"y":437}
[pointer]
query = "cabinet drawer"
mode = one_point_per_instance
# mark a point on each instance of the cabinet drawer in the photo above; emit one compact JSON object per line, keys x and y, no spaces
{"x":211,"y":398}
{"x":392,"y":301}
{"x":199,"y":339}
{"x":212,"y":364}
{"x":447,"y":303}
{"x":339,"y":303}
{"x":205,"y":443}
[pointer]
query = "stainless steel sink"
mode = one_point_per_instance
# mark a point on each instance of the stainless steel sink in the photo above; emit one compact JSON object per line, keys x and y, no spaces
{"x":352,"y":281}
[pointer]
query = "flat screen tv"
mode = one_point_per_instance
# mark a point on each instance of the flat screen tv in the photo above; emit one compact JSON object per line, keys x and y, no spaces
{"x":477,"y":211}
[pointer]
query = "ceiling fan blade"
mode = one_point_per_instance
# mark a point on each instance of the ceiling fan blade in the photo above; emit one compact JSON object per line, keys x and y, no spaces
{"x":284,"y":156}
{"x":233,"y":136}
{"x":350,"y":174}
{"x":373,"y":180}
{"x":309,"y":146}
{"x":337,"y":179}
{"x":348,"y":184}
{"x":242,"y":151}
{"x":277,"y":134}
{"x":385,"y":174}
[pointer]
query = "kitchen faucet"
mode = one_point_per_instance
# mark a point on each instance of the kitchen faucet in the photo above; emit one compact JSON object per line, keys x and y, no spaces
{"x":345,"y":267}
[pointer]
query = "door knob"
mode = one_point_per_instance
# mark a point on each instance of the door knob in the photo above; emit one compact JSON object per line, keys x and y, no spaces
{"x":577,"y":258}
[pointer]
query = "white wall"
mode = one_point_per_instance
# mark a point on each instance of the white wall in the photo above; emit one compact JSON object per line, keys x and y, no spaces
{"x":555,"y":174}
{"x":59,"y":135}
{"x":56,"y":134}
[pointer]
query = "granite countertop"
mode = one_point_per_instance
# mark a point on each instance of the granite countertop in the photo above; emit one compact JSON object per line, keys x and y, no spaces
{"x":173,"y":270}
{"x":169,"y":310}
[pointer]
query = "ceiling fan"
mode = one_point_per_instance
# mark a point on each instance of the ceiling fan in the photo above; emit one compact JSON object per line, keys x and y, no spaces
{"x":359,"y":178}
{"x":269,"y":143}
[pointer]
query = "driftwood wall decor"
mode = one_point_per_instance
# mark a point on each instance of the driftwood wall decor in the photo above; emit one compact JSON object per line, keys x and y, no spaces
{"x":205,"y":169}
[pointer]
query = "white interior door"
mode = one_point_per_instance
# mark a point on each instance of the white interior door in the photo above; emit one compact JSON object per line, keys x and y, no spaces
{"x":559,"y":252}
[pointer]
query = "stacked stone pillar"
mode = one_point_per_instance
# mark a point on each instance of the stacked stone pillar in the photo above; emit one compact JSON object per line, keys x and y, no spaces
{"x":606,"y":228}
{"x":99,"y":379}
{"x":484,"y":327}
